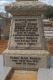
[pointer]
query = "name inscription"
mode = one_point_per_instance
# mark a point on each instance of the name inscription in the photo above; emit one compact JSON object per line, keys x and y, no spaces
{"x":24,"y":62}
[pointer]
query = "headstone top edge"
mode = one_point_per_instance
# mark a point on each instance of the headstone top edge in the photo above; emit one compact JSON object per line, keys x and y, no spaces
{"x":19,"y":4}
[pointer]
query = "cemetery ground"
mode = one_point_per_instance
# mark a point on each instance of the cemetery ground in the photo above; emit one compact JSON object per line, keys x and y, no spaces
{"x":3,"y":45}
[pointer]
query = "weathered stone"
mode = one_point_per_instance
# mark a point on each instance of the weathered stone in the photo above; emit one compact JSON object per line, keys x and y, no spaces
{"x":26,"y":59}
{"x":27,"y":33}
{"x":27,"y":46}
{"x":21,"y":8}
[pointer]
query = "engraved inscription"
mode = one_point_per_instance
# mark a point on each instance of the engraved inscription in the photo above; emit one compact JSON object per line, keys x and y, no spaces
{"x":25,"y":61}
{"x":26,"y":33}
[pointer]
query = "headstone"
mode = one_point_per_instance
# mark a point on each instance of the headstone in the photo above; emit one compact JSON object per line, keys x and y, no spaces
{"x":27,"y":47}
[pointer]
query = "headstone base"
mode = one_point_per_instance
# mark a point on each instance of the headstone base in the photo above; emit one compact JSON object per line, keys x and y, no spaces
{"x":26,"y":59}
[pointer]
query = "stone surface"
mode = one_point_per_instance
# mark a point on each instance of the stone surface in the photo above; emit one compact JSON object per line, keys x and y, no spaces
{"x":26,"y":59}
{"x":26,"y":33}
{"x":4,"y":71}
{"x":26,"y":8}
{"x":45,"y":74}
